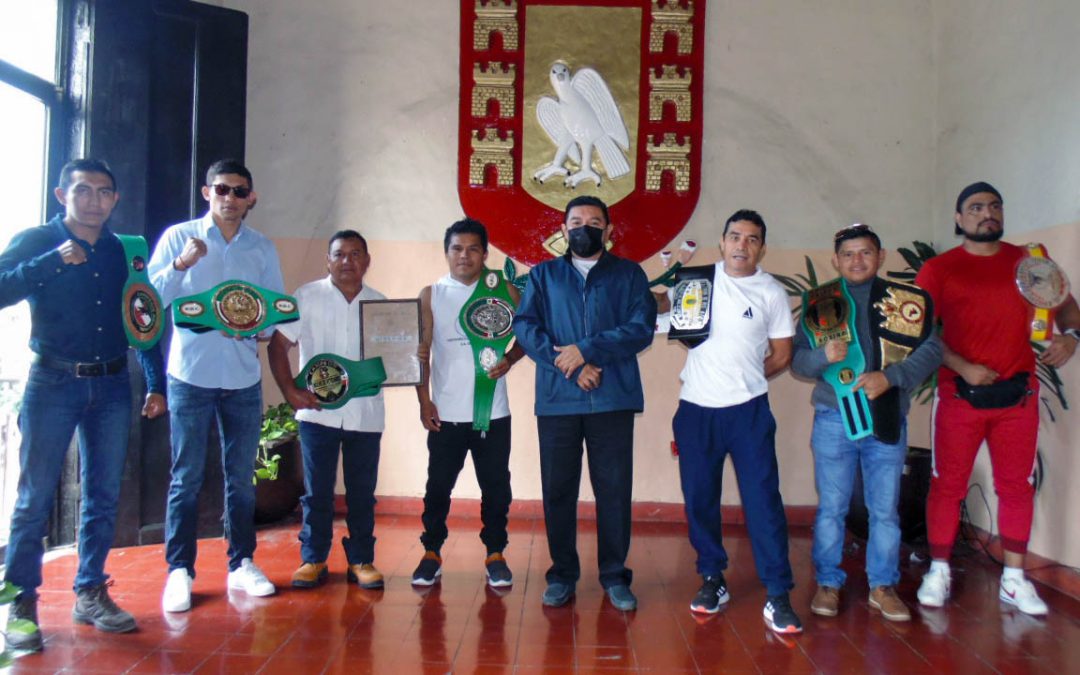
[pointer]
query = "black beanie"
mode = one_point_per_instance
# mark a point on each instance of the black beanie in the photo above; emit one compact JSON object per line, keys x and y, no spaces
{"x":974,"y":189}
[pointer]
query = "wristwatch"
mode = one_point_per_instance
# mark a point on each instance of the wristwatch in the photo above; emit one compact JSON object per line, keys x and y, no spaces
{"x":1074,"y":333}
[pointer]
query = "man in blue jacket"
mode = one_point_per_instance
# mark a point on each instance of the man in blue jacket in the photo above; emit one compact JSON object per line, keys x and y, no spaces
{"x":583,"y":319}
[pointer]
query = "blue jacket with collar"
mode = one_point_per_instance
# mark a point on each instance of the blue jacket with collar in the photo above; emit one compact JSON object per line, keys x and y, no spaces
{"x":610,"y":316}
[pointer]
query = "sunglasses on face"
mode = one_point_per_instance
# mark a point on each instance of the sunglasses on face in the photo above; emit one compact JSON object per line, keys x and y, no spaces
{"x":221,"y":190}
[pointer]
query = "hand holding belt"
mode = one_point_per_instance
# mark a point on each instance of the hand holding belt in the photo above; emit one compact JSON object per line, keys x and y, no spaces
{"x":336,"y":380}
{"x":236,"y":307}
{"x":1044,"y":286}
{"x":487,"y":318}
{"x":143,"y":318}
{"x":828,"y":313}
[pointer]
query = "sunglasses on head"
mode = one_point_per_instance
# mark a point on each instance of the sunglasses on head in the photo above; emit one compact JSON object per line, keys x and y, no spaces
{"x":852,"y":231}
{"x":221,"y":189}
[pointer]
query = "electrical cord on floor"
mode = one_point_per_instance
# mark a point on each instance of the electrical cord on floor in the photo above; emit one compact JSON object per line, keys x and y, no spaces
{"x":969,"y":534}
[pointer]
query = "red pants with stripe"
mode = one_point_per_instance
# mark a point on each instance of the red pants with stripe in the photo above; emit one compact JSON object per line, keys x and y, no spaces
{"x":1011,"y":434}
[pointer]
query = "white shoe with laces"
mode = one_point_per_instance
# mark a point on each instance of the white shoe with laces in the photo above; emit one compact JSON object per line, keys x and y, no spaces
{"x":934,"y":590}
{"x":177,"y":595}
{"x":250,"y":579}
{"x":1021,"y":593}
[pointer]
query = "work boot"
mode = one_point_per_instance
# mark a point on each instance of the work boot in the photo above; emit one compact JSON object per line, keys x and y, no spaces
{"x":20,"y":634}
{"x":309,"y":575}
{"x":365,"y":576}
{"x":94,"y":606}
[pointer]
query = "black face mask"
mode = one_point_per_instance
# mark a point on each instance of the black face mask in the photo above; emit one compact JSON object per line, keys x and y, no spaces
{"x":586,"y":241}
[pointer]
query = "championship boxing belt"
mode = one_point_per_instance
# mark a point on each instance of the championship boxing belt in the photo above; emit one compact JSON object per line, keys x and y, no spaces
{"x":691,"y":305}
{"x":487,"y":317}
{"x":335,"y":380}
{"x":143,"y":318}
{"x":901,"y":319}
{"x":1044,"y":286}
{"x":828,"y":313}
{"x":236,"y":307}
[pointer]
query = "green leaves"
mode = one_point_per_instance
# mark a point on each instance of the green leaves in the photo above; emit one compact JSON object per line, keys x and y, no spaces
{"x":510,"y":272}
{"x":279,"y":425}
{"x":8,"y":593}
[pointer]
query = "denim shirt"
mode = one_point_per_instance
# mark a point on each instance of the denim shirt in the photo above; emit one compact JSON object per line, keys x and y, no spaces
{"x":76,"y":311}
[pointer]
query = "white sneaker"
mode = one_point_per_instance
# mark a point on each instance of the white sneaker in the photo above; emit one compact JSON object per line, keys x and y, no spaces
{"x":250,"y":579}
{"x":934,"y":590}
{"x":177,"y":595}
{"x":1022,"y":594}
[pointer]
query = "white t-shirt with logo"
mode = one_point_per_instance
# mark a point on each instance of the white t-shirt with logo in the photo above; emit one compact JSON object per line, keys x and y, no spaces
{"x":728,"y":368}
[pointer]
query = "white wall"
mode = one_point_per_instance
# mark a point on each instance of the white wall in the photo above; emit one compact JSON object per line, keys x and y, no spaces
{"x":816,"y":113}
{"x":1008,"y":96}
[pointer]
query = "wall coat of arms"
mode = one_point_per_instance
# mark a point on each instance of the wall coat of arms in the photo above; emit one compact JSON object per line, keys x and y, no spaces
{"x":561,"y":98}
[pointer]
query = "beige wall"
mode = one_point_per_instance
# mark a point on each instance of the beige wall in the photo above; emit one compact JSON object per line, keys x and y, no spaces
{"x":1008,"y":95}
{"x":816,"y":113}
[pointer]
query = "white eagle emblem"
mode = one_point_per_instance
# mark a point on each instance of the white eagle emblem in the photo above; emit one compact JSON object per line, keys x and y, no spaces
{"x":583,"y":118}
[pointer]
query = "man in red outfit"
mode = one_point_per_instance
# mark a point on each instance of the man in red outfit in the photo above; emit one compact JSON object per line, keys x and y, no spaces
{"x":987,"y":390}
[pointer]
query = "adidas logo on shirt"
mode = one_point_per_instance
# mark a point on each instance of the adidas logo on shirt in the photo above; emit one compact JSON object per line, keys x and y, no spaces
{"x":749,"y":313}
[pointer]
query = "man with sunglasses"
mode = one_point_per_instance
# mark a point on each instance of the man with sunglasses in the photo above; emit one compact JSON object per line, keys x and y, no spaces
{"x":72,"y":272}
{"x":878,"y":305}
{"x":214,"y":377}
{"x":987,"y":388}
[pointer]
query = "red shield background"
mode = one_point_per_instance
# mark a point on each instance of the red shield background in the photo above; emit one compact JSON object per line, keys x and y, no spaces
{"x":517,"y":223}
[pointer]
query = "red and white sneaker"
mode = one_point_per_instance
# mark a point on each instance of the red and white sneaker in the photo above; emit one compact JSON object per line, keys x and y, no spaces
{"x":1021,"y":594}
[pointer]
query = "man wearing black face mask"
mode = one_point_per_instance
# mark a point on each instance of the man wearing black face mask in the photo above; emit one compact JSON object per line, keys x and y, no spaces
{"x":583,"y":319}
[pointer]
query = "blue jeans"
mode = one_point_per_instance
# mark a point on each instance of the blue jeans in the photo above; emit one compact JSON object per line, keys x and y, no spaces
{"x":835,"y":459}
{"x":360,"y":466}
{"x":747,"y":432}
{"x":239,"y":417}
{"x":55,"y":406}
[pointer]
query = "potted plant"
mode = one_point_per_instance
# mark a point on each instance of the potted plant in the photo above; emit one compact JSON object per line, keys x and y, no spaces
{"x":279,"y":466}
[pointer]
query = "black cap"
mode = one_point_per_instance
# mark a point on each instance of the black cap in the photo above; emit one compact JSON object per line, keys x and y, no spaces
{"x":974,"y":189}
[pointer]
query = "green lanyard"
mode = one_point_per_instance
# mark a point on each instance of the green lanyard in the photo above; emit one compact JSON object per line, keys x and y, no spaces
{"x":143,"y":318}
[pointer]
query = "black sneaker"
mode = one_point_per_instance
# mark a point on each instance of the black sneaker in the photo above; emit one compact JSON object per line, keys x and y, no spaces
{"x":22,"y":627}
{"x":780,"y":617}
{"x":429,"y":570}
{"x":94,"y":606}
{"x":710,"y":596}
{"x":498,"y":572}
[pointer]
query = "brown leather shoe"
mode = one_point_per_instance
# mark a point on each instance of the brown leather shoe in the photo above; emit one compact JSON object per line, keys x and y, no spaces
{"x":826,"y":601}
{"x":365,"y":576}
{"x":885,"y":600}
{"x":310,"y":575}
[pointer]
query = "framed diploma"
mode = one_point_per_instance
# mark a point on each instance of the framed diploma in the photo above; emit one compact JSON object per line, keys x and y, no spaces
{"x":391,"y":329}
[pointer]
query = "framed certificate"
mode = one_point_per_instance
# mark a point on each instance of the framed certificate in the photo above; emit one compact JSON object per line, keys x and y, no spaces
{"x":391,"y":329}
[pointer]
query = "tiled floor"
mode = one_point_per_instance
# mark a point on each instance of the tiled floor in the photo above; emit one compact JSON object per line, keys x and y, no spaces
{"x":461,"y":626}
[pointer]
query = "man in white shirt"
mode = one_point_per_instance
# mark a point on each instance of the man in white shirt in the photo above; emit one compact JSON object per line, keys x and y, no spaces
{"x":447,"y":409}
{"x":724,"y":409}
{"x":330,"y":324}
{"x":213,"y":377}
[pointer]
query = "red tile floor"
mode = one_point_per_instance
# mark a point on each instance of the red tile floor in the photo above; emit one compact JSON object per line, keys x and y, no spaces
{"x":461,"y":626}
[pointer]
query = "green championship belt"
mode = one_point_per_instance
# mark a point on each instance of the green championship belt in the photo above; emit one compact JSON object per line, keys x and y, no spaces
{"x":335,"y":380}
{"x":143,"y":318}
{"x":235,"y":307}
{"x":828,"y":313}
{"x":487,"y":317}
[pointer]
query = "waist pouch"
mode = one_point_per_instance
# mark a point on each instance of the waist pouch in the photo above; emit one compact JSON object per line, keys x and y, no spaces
{"x":1003,"y":394}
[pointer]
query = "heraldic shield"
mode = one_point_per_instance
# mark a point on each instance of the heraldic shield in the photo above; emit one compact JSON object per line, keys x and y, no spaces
{"x":561,"y":98}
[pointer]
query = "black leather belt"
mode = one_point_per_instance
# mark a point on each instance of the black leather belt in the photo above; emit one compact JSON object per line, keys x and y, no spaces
{"x":98,"y":369}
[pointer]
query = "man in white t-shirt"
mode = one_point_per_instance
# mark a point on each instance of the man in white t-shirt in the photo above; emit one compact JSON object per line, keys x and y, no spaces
{"x":447,"y":409}
{"x":330,"y":324}
{"x":724,"y":409}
